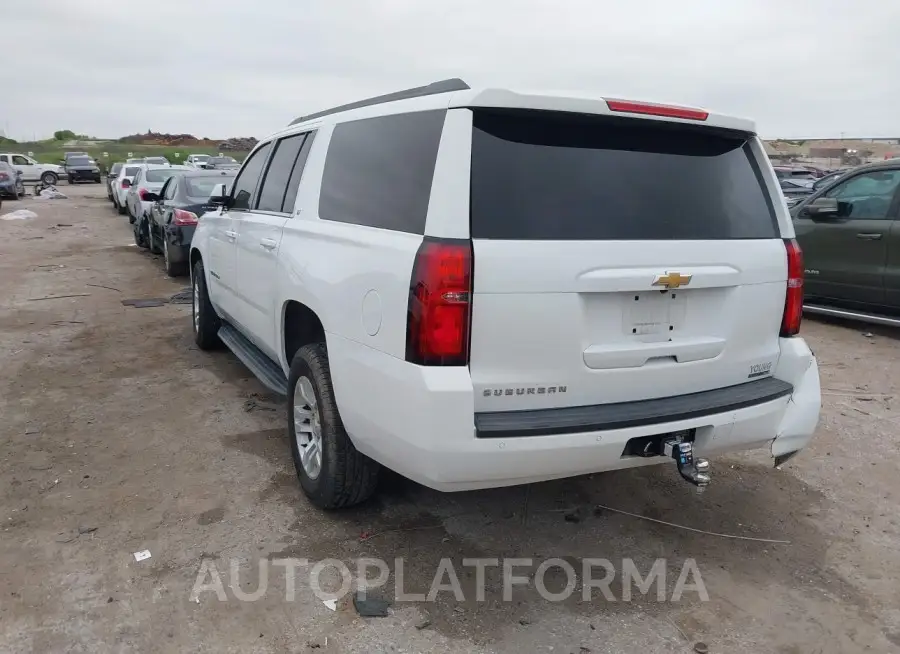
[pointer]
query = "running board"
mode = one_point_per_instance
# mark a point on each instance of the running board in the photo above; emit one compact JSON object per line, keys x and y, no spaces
{"x":251,"y":356}
{"x":852,"y":315}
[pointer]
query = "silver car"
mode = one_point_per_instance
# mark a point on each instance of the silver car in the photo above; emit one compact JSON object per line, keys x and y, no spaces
{"x":149,"y":178}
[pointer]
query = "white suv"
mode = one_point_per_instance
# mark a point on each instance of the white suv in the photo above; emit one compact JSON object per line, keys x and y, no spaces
{"x":483,"y":288}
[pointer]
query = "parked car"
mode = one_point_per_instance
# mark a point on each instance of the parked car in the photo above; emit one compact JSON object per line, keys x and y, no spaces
{"x":169,"y":225}
{"x":69,"y":155}
{"x":121,"y":184}
{"x":222,"y":163}
{"x":148,"y":179}
{"x":31,"y":169}
{"x":135,"y":160}
{"x":794,"y":190}
{"x":197,"y":160}
{"x":795,"y":174}
{"x":11,"y":183}
{"x":111,"y":176}
{"x":851,"y":245}
{"x":157,"y":161}
{"x":80,"y":169}
{"x":387,"y":266}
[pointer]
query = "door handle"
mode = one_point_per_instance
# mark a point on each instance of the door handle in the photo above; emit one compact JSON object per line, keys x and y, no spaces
{"x":231,"y":235}
{"x":268,"y":243}
{"x":868,"y":236}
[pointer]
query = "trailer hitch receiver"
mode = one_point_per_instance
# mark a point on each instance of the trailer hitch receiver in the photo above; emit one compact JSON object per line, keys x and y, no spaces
{"x":696,"y":471}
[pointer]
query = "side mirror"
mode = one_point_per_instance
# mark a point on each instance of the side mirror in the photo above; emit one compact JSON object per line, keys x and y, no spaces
{"x":823,"y":208}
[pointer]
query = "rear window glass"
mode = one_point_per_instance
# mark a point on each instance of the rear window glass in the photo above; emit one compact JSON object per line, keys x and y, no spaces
{"x":378,"y":171}
{"x":202,"y":187}
{"x":79,"y":161}
{"x":116,"y":167}
{"x":554,"y":176}
{"x":131,"y":171}
{"x":158,"y":175}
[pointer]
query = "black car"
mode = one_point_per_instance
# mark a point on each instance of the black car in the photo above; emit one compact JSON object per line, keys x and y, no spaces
{"x":111,"y":174}
{"x":80,"y":169}
{"x":173,"y":217}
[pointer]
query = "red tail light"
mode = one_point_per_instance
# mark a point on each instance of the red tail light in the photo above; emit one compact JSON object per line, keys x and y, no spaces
{"x":183,"y":218}
{"x":142,"y":194}
{"x":666,"y":111}
{"x":793,"y":300}
{"x":439,"y":309}
{"x":126,"y":183}
{"x":3,"y":177}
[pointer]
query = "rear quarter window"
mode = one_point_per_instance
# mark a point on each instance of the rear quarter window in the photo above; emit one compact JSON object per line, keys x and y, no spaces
{"x":378,"y":171}
{"x":553,"y":176}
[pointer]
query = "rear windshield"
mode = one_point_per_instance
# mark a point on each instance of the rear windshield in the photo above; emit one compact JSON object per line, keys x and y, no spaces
{"x":156,"y":160}
{"x":158,"y":175}
{"x":202,"y":187}
{"x":554,"y":176}
{"x":80,"y":161}
{"x":116,"y":167}
{"x":131,"y":171}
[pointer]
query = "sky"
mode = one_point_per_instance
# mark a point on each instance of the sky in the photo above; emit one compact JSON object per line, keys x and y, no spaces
{"x":225,"y":68}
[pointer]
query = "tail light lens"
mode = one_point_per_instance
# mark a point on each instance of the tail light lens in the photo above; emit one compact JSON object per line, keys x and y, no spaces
{"x":439,"y":309}
{"x":126,"y":183}
{"x":142,"y":194}
{"x":183,"y":218}
{"x":4,"y":177}
{"x":666,"y":111}
{"x":793,"y":299}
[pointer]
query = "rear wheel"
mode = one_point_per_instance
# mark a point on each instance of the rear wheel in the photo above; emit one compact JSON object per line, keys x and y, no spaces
{"x":49,"y":179}
{"x":71,"y":180}
{"x":154,"y":247}
{"x":332,"y":472}
{"x":205,"y":321}
{"x":140,"y":238}
{"x":173,"y":268}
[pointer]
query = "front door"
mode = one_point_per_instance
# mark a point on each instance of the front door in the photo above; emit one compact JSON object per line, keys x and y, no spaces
{"x":30,"y":171}
{"x":845,"y":255}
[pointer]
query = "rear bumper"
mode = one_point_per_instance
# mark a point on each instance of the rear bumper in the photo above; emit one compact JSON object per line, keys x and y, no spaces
{"x":179,"y":238}
{"x":7,"y":188}
{"x":83,"y":176}
{"x":420,"y":422}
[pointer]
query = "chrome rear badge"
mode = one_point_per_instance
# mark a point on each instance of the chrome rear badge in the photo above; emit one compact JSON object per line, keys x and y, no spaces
{"x":524,"y":390}
{"x":760,"y":370}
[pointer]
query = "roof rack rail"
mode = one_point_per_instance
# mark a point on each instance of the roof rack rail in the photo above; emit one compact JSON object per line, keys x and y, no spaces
{"x":443,"y":86}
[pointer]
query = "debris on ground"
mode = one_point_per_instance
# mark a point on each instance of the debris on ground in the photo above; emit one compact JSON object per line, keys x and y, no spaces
{"x":184,"y":296}
{"x":86,"y":530}
{"x":331,"y":604}
{"x":58,"y":297}
{"x":370,"y":607}
{"x":52,"y":194}
{"x":19,"y":214}
{"x":424,"y":624}
{"x":701,"y":648}
{"x":573,"y":516}
{"x":143,"y":304}
{"x":868,"y":334}
{"x":142,"y":555}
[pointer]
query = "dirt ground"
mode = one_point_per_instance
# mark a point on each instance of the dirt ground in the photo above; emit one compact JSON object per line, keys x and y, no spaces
{"x":118,"y":435}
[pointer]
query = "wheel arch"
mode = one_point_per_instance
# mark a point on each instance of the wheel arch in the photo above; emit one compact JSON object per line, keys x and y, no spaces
{"x":299,"y":325}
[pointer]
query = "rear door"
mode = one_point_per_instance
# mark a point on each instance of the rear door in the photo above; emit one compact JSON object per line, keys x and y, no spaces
{"x":618,"y":259}
{"x":845,"y":256}
{"x":259,"y":236}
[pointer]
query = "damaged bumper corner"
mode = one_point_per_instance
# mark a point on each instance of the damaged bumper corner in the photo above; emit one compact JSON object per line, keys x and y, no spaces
{"x":798,"y":366}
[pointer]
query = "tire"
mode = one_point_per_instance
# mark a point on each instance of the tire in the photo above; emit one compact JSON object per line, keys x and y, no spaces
{"x":139,"y":239}
{"x":173,"y":268}
{"x":71,"y":180}
{"x":154,"y":248}
{"x":345,"y":477}
{"x":49,"y":179}
{"x":204,"y":320}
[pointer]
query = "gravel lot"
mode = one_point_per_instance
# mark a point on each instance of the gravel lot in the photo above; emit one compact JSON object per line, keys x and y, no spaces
{"x":119,"y":435}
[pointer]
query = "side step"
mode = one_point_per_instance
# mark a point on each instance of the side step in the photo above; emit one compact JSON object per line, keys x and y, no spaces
{"x":852,"y":315}
{"x":251,"y":356}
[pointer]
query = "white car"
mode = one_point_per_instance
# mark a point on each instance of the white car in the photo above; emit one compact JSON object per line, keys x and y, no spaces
{"x":149,"y":178}
{"x":196,"y":160}
{"x":120,"y":185}
{"x":486,"y":288}
{"x":32,"y":170}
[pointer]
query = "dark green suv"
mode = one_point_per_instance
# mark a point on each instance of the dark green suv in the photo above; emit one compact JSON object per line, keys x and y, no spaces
{"x":849,"y":230}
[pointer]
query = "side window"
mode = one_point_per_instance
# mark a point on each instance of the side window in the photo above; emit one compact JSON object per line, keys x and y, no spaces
{"x":866,"y":196}
{"x":271,"y":195}
{"x":19,"y":160}
{"x":4,"y":158}
{"x":171,"y":184}
{"x":290,"y":197}
{"x":378,"y":171}
{"x":246,"y":181}
{"x":137,"y":177}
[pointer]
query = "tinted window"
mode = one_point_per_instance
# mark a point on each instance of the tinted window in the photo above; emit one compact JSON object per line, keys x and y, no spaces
{"x":553,"y":176}
{"x":202,"y":187}
{"x":158,"y":175}
{"x":867,"y":196}
{"x":296,"y":174}
{"x":170,"y":189}
{"x":79,"y":161}
{"x":19,"y":160}
{"x":245,"y":184}
{"x":271,"y":196}
{"x":156,"y":160}
{"x":378,"y":171}
{"x":131,"y":171}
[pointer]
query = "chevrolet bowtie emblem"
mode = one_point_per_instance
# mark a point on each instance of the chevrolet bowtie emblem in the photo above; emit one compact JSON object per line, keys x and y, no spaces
{"x":672,"y":280}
